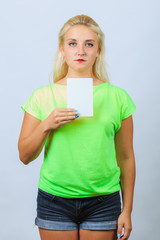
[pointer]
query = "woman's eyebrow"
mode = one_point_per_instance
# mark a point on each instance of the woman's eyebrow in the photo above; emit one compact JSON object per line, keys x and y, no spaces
{"x":88,"y":40}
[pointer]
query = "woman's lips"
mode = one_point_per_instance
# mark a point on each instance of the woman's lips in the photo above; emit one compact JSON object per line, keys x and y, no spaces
{"x":80,"y":60}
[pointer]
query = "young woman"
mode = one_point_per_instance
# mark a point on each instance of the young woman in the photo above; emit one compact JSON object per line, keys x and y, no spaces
{"x":87,"y":160}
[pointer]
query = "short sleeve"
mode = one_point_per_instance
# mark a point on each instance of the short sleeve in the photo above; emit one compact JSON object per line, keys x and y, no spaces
{"x":128,"y":107}
{"x":32,"y":105}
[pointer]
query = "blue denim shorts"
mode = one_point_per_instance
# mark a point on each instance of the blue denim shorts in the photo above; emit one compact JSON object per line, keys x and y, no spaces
{"x":94,"y":213}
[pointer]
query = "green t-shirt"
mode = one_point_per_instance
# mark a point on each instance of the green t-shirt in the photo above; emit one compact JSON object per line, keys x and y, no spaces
{"x":79,"y":157}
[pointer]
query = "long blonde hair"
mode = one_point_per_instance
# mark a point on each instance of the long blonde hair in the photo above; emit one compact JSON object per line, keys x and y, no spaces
{"x":60,"y":67}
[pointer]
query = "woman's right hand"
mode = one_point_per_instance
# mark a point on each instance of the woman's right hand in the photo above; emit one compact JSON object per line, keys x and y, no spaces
{"x":59,"y":117}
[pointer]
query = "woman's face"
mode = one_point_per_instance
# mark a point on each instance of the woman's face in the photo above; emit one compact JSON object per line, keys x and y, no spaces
{"x":80,"y":42}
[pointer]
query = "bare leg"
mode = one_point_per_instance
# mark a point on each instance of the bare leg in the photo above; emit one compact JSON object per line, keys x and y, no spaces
{"x":97,"y":234}
{"x":58,"y":235}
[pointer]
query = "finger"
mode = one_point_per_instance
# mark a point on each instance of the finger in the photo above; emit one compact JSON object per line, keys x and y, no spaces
{"x":69,"y":109}
{"x":67,"y":118}
{"x":69,"y":113}
{"x":64,"y":122}
{"x":126,"y":234}
{"x":119,"y":230}
{"x":65,"y":109}
{"x":66,"y":115}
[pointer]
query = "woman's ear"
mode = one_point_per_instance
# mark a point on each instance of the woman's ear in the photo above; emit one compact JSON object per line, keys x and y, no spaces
{"x":98,"y":52}
{"x":61,"y":50}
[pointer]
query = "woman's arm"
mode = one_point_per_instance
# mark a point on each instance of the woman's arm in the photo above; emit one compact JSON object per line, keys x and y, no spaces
{"x":126,"y":162}
{"x":32,"y":138}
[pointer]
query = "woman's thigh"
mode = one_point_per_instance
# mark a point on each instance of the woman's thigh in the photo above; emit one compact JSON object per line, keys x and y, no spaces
{"x":58,"y":235}
{"x":97,"y":235}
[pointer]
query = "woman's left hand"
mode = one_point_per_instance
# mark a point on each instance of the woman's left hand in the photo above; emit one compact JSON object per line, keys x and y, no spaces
{"x":124,"y":221}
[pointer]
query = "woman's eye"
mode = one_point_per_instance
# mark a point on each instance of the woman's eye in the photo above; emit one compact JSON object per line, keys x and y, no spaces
{"x":71,"y":43}
{"x":90,"y":44}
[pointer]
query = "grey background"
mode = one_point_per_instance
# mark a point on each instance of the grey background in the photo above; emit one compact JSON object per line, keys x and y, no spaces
{"x":28,"y":42}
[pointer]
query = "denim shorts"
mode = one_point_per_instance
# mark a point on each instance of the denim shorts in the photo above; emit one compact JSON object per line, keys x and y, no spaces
{"x":94,"y":213}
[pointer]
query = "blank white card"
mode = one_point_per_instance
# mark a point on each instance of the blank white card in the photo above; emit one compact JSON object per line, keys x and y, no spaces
{"x":80,"y":95}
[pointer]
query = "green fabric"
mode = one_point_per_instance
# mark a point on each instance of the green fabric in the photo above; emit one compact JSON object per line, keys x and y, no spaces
{"x":79,"y":157}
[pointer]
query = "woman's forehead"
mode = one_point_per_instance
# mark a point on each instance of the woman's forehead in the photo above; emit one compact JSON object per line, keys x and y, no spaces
{"x":80,"y":32}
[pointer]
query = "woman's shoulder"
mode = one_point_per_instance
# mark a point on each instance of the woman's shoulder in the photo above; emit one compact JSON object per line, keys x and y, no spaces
{"x":43,"y":88}
{"x":112,"y":86}
{"x":116,"y":88}
{"x":41,"y":92}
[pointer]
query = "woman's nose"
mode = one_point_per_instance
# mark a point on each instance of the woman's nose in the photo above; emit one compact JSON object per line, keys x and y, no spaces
{"x":81,"y":50}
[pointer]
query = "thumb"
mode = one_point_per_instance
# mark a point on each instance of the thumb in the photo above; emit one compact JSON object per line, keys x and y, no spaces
{"x":119,"y":231}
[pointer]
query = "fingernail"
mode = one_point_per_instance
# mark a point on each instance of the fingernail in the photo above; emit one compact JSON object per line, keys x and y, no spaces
{"x":77,"y":116}
{"x":75,"y":110}
{"x":118,"y":236}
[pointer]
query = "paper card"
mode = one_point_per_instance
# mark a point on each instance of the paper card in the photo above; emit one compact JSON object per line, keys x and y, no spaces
{"x":80,"y":95}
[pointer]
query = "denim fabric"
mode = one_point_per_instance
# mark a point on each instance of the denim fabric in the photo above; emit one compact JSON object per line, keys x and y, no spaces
{"x":95,"y":213}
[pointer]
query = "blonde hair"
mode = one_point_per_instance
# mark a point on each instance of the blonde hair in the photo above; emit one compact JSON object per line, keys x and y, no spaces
{"x":60,"y":67}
